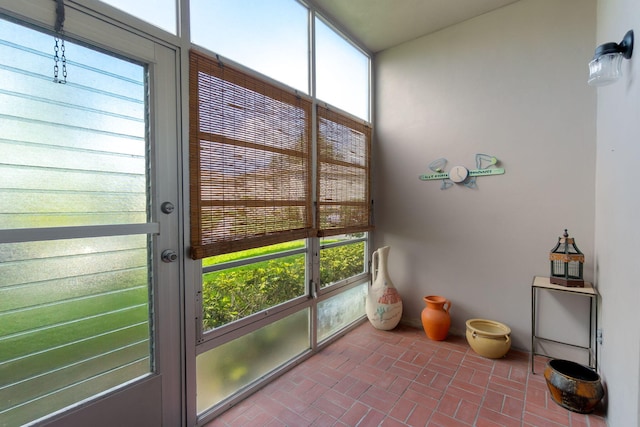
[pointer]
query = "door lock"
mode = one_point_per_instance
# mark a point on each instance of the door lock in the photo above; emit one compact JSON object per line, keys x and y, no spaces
{"x":167,"y":207}
{"x":169,"y":255}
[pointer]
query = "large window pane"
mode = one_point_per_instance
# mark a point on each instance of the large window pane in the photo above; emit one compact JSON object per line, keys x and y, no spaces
{"x":340,"y":259}
{"x":74,"y":321}
{"x":342,"y":72}
{"x":236,"y":364}
{"x":270,"y":37}
{"x":161,"y":13}
{"x":242,"y":290}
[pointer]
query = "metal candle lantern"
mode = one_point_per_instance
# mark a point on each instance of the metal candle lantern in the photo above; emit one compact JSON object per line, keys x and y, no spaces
{"x":566,"y":263}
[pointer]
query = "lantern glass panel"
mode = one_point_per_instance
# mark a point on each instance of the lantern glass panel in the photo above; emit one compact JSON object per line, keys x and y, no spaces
{"x":558,"y":268}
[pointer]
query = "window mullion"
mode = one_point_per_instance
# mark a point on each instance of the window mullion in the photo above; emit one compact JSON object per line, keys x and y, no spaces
{"x":313,"y":258}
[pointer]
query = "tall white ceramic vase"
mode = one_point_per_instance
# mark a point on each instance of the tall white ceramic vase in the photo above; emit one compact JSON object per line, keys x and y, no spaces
{"x":383,"y":304}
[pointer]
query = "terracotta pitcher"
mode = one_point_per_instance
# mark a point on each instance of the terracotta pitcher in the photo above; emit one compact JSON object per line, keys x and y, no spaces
{"x":383,"y":304}
{"x":435,"y":317}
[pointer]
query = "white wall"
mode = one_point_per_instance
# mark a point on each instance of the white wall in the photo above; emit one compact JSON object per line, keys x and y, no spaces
{"x":617,"y":218}
{"x":511,"y":83}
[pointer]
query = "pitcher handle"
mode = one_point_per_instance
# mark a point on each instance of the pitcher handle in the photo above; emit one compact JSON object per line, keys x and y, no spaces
{"x":448,"y":304}
{"x":374,"y":266}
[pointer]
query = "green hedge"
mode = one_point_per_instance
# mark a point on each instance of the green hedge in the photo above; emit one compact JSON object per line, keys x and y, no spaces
{"x":232,"y":294}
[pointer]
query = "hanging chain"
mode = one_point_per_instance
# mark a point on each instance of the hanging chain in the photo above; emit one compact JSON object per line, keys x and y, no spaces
{"x":59,"y":49}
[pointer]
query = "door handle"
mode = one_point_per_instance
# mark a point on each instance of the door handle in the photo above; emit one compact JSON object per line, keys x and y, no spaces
{"x":167,"y":207}
{"x":169,"y":255}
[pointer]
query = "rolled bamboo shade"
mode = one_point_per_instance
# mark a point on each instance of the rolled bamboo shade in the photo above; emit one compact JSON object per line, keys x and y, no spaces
{"x":344,"y":170}
{"x":250,"y":160}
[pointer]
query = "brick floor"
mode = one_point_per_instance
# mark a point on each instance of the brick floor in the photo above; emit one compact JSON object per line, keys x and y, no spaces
{"x":401,"y":378}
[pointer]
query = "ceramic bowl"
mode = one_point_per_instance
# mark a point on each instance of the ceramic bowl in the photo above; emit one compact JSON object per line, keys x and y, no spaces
{"x":488,"y":338}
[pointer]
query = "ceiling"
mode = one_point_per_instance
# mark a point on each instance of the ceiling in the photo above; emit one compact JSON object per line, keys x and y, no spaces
{"x":381,"y":24}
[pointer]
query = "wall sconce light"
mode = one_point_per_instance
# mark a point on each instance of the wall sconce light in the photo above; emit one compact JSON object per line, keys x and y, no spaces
{"x":606,"y":66}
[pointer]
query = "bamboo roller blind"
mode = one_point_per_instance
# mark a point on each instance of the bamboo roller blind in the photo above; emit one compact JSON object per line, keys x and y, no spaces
{"x":250,"y":164}
{"x":344,"y":163}
{"x":250,"y":169}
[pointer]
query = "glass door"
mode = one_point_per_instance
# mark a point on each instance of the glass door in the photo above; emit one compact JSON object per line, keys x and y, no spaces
{"x":89,"y":228}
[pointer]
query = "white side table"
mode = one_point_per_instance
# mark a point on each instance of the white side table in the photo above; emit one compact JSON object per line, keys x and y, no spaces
{"x":542,"y":283}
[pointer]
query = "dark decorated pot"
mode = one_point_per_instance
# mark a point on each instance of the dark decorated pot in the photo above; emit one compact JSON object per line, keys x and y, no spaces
{"x":573,"y":386}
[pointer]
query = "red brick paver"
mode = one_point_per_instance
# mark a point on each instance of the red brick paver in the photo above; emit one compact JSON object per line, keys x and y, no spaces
{"x":401,"y":378}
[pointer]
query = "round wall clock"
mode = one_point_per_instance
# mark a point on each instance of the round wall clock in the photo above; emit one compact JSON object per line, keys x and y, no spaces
{"x":458,"y":173}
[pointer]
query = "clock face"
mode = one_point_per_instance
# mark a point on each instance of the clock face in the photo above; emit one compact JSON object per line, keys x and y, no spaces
{"x":458,"y":173}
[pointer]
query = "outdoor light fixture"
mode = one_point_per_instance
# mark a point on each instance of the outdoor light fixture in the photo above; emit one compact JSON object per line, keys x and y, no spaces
{"x":605,"y":67}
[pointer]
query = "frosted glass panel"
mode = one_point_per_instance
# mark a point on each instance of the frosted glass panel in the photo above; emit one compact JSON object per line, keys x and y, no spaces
{"x":236,"y":364}
{"x":270,"y":37}
{"x":72,"y":154}
{"x":338,"y":312}
{"x":74,"y":321}
{"x":342,"y":72}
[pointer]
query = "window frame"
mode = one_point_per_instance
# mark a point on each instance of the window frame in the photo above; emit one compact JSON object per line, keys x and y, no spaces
{"x":315,"y":292}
